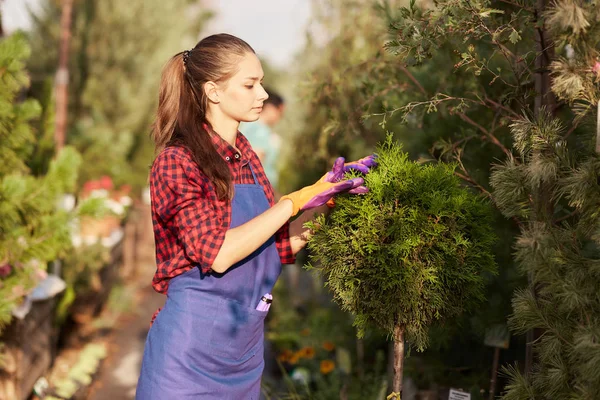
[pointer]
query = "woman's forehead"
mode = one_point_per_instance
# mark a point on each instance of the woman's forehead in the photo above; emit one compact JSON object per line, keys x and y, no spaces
{"x":249,"y":67}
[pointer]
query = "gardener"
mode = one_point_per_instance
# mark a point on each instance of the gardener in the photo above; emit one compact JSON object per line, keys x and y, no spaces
{"x":220,"y":239}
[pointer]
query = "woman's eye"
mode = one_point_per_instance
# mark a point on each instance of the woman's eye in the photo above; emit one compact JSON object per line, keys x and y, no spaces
{"x":249,"y":86}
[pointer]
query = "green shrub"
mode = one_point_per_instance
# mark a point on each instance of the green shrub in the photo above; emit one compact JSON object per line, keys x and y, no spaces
{"x":411,"y":251}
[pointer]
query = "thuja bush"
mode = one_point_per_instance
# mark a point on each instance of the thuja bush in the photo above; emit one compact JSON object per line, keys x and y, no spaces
{"x":410,"y":252}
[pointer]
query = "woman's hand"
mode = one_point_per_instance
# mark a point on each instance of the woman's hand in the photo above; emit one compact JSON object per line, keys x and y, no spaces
{"x":340,"y":167}
{"x":321,"y":192}
{"x":299,"y":235}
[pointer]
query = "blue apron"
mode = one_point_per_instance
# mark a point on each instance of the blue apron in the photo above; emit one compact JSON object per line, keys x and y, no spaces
{"x":207,"y":341}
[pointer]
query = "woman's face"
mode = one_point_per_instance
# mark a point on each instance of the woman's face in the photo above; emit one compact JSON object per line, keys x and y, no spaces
{"x":242,"y":96}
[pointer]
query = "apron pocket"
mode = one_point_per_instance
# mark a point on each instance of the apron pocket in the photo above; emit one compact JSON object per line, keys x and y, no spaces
{"x":236,"y":330}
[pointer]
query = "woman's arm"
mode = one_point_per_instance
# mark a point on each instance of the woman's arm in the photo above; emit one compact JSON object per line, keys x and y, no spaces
{"x":299,"y":235}
{"x":243,"y":240}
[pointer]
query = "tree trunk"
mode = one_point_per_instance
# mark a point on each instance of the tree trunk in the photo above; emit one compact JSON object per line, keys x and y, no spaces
{"x":62,"y":75}
{"x":544,"y":49}
{"x":494,"y":373}
{"x":398,"y":361}
{"x":544,"y":98}
{"x":598,"y":129}
{"x":360,"y":357}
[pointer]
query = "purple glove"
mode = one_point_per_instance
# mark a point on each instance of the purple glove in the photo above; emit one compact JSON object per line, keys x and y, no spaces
{"x":321,"y":192}
{"x":340,"y":168}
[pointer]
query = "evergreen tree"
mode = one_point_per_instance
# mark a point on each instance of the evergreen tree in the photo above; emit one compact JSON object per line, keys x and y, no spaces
{"x":32,"y":230}
{"x":552,"y":185}
{"x":412,"y":251}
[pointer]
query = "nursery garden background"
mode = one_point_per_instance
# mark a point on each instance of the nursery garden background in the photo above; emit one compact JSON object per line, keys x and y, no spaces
{"x":470,"y":270}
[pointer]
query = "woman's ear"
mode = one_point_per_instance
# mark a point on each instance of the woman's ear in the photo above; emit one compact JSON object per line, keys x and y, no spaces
{"x":211,"y":91}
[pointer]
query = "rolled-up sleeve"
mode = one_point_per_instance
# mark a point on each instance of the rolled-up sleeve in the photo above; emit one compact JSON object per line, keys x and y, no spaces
{"x":284,"y":246}
{"x":182,"y":200}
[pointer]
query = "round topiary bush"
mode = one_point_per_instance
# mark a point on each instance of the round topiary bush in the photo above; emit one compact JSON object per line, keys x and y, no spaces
{"x":411,"y":251}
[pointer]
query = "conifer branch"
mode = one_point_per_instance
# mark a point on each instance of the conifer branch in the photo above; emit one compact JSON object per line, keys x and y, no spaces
{"x":487,"y":133}
{"x":572,"y":128}
{"x":413,"y":79}
{"x":500,"y":106}
{"x":503,"y":49}
{"x":474,"y":183}
{"x":465,"y":140}
{"x":565,"y":217}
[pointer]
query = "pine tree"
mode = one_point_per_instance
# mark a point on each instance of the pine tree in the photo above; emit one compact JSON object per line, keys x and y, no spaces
{"x":32,"y":230}
{"x":410,"y":252}
{"x":553,"y":186}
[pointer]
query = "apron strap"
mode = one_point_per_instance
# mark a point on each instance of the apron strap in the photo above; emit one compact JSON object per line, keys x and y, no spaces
{"x":253,"y":174}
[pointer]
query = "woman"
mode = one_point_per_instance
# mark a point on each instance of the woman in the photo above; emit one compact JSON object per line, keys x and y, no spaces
{"x":220,"y":239}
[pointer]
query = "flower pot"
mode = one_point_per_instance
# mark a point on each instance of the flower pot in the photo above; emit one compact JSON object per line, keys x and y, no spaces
{"x":29,"y":348}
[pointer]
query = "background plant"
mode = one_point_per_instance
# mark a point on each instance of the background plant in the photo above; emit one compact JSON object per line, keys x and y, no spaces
{"x":34,"y":229}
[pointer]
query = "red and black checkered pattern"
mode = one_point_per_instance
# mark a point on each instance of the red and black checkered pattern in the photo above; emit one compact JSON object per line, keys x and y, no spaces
{"x":189,"y":220}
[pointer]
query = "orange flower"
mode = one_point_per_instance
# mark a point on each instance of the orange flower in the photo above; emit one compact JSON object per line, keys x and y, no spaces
{"x":327,"y":366}
{"x":328,"y":346}
{"x":305,"y":332}
{"x":307,"y":352}
{"x":293,"y":360}
{"x":285,"y":355}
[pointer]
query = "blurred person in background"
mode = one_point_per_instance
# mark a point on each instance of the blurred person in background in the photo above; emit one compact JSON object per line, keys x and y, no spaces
{"x":264,"y":140}
{"x":221,"y":238}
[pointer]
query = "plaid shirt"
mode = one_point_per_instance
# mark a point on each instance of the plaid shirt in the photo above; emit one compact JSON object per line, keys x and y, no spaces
{"x":189,"y":221}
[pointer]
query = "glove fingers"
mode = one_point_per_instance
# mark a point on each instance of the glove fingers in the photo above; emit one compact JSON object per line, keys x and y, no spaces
{"x":354,"y":186}
{"x":326,"y":195}
{"x":363,"y":169}
{"x":338,"y":165}
{"x":336,"y":173}
{"x":340,"y":187}
{"x":363,"y":165}
{"x":359,"y":190}
{"x":369,"y":161}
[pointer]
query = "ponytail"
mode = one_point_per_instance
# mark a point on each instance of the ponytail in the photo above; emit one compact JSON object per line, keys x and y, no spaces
{"x":181,"y":121}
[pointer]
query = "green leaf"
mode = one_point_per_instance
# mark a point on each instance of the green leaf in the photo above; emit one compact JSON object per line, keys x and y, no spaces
{"x":489,"y":12}
{"x":514,"y":36}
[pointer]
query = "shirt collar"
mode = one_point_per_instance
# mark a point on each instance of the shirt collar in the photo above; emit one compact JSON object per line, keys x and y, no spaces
{"x":227,"y":151}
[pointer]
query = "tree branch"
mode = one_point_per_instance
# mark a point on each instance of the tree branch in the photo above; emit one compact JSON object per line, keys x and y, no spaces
{"x":491,"y":136}
{"x":500,"y":106}
{"x":477,"y":185}
{"x":413,"y":79}
{"x":572,"y":129}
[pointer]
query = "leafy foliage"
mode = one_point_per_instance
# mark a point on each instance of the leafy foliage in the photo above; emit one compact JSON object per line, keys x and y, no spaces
{"x":411,"y":251}
{"x":33,"y":231}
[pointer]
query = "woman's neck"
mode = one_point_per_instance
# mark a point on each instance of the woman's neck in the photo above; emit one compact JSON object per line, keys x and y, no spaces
{"x":225,"y":127}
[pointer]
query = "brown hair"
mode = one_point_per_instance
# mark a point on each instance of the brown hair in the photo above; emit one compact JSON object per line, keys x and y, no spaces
{"x":182,"y":103}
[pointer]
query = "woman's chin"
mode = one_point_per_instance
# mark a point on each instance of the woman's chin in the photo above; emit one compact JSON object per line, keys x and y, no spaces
{"x":251,"y":117}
